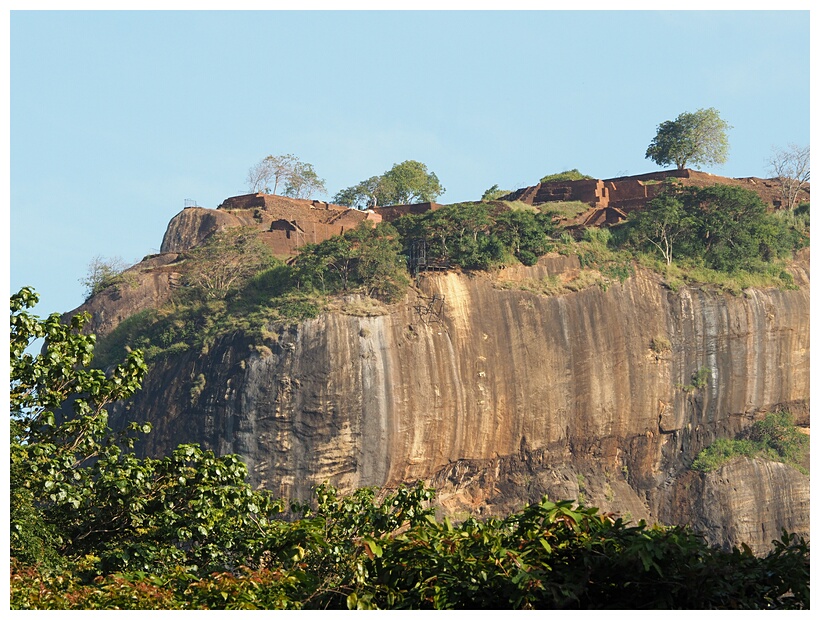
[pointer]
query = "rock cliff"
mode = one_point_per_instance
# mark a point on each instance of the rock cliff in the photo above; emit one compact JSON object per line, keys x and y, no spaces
{"x":505,"y":395}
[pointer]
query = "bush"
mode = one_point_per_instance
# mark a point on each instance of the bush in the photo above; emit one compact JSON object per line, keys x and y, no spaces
{"x":104,"y":272}
{"x":775,"y":437}
{"x":722,"y":227}
{"x":567,"y":175}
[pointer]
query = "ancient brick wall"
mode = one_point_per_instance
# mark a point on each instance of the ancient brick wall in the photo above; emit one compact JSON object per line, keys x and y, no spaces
{"x":633,"y":192}
{"x":290,"y":223}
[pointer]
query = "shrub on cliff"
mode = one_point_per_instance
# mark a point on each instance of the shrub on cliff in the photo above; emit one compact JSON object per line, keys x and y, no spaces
{"x":102,"y":273}
{"x":775,"y":437}
{"x":367,"y":257}
{"x":566,"y":175}
{"x":225,"y":261}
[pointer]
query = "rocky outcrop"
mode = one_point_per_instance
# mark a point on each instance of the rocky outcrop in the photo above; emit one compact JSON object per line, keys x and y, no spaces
{"x":506,"y":395}
{"x":314,"y":220}
{"x":745,"y":501}
{"x":146,"y":285}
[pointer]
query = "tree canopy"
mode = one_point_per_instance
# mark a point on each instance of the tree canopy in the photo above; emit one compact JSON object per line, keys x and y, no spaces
{"x":692,"y":138}
{"x":299,"y":178}
{"x":724,"y":227}
{"x":404,"y":183}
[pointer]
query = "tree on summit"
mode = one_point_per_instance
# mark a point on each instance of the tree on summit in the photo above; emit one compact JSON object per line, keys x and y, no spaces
{"x":692,"y":138}
{"x":792,"y":167}
{"x":404,"y":183}
{"x":299,"y":178}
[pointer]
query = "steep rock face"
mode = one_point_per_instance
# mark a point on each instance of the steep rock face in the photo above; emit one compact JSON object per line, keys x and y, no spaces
{"x":508,"y":395}
{"x":745,"y":501}
{"x":148,"y":284}
{"x":191,"y":226}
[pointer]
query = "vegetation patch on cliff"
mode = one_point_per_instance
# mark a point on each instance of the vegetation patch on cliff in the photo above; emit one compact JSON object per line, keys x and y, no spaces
{"x":775,"y":438}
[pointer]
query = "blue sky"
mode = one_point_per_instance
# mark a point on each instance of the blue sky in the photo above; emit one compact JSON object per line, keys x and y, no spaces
{"x":117,"y":117}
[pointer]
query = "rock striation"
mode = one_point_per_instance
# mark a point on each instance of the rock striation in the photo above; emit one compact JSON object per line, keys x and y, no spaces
{"x":505,"y":395}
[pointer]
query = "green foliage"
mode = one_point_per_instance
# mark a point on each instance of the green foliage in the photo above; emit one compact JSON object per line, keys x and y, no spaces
{"x":494,"y":193}
{"x":722,"y":227}
{"x":76,"y":489}
{"x":357,"y":552}
{"x":777,"y":432}
{"x":692,"y":138}
{"x":193,"y":324}
{"x":363,"y":195}
{"x":699,"y":380}
{"x":567,"y":175}
{"x":404,"y":183}
{"x":261,"y":291}
{"x":525,"y":233}
{"x":48,"y":446}
{"x":225,"y":261}
{"x":775,"y":437}
{"x":303,"y":182}
{"x":475,"y":235}
{"x":367,"y":257}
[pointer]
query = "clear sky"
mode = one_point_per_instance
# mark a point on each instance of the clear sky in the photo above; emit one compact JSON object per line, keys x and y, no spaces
{"x":117,"y":117}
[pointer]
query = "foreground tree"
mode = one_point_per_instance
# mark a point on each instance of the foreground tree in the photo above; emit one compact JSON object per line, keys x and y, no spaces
{"x":692,"y":138}
{"x":48,"y":449}
{"x":792,"y":167}
{"x":404,"y":183}
{"x":77,"y":493}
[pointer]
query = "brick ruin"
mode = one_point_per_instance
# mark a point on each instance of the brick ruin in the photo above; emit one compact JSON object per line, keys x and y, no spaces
{"x":290,"y":223}
{"x":611,"y":200}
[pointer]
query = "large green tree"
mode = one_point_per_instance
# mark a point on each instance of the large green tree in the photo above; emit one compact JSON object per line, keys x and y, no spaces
{"x":692,"y":138}
{"x":304,"y":182}
{"x":404,"y":183}
{"x":724,"y":227}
